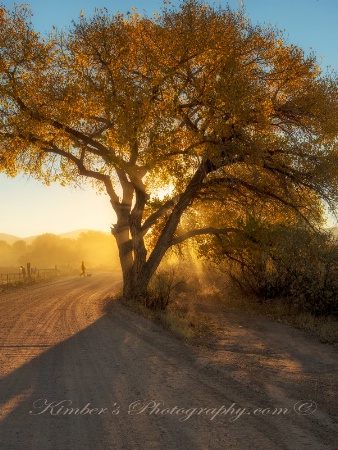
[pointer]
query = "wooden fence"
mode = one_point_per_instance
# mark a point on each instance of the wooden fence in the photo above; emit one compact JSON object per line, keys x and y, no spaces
{"x":20,"y":277}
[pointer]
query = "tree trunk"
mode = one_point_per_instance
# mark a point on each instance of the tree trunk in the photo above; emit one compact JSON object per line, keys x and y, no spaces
{"x":135,"y":223}
{"x":125,"y":247}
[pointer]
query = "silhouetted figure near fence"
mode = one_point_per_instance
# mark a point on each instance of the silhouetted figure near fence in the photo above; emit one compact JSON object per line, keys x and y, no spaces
{"x":83,"y":270}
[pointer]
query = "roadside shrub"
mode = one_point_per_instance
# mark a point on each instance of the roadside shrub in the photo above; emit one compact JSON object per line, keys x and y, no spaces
{"x":161,"y":288}
{"x":295,"y":263}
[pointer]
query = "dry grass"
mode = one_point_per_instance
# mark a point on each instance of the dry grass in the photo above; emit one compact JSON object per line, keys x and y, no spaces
{"x":180,"y":317}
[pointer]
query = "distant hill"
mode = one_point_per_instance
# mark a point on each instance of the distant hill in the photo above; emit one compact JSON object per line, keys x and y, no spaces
{"x":74,"y":234}
{"x":10,"y":239}
{"x":70,"y":235}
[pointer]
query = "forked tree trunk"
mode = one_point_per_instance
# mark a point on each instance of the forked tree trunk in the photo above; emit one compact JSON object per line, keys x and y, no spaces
{"x":137,"y":270}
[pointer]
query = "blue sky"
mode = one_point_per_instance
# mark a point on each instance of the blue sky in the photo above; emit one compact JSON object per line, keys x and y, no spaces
{"x":29,"y":208}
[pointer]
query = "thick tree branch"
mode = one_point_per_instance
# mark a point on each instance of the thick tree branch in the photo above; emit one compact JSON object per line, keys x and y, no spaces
{"x":75,"y":134}
{"x":201,"y":231}
{"x":152,"y":219}
{"x":105,"y":179}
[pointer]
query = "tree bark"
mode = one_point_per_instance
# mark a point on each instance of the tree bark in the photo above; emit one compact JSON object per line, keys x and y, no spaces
{"x":124,"y":244}
{"x":135,"y":222}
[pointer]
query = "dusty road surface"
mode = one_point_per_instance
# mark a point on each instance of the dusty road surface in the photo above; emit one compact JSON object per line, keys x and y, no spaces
{"x":81,"y":372}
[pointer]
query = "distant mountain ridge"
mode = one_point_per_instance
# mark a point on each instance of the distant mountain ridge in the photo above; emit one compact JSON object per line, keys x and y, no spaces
{"x":10,"y":239}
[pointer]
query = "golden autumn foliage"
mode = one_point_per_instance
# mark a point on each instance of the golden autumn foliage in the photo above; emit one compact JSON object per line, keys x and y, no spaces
{"x":224,"y":116}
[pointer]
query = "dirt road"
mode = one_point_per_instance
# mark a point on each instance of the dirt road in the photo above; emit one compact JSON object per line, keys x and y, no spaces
{"x":81,"y":372}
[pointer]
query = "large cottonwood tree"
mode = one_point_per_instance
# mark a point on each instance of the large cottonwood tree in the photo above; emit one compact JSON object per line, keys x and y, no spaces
{"x":194,"y":102}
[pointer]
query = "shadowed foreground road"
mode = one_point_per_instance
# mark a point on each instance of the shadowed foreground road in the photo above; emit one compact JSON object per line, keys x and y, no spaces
{"x":80,"y":372}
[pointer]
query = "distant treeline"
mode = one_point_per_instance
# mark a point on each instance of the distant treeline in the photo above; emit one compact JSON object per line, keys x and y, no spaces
{"x":98,"y":250}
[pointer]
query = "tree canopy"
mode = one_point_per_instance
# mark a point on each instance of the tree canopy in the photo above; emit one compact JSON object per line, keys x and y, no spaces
{"x":195,"y":102}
